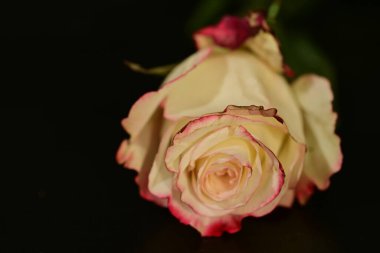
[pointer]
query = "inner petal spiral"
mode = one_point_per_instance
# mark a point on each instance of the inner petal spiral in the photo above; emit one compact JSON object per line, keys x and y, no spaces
{"x":221,"y":180}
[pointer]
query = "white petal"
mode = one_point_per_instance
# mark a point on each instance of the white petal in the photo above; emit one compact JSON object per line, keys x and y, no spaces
{"x":266,"y":47}
{"x":206,"y":226}
{"x":236,"y":78}
{"x":160,"y":179}
{"x":324,"y":156}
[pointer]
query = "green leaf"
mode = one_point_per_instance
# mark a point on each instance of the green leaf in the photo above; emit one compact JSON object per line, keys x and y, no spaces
{"x":303,"y":55}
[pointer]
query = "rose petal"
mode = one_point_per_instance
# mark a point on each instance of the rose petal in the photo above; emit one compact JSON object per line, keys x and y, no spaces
{"x":141,"y":149}
{"x":160,"y":179}
{"x":139,"y":154}
{"x":122,"y":155}
{"x":266,"y":47}
{"x":144,"y":122}
{"x":287,"y":199}
{"x":145,"y":106}
{"x":277,"y":139}
{"x":291,"y":156}
{"x":238,"y":79}
{"x":324,"y":156}
{"x":271,"y":182}
{"x":230,"y":32}
{"x":196,"y":129}
{"x":144,"y":125}
{"x":305,"y":188}
{"x":206,"y":226}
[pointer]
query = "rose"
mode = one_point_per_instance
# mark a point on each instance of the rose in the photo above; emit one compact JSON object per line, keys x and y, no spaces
{"x":204,"y":150}
{"x":225,"y":167}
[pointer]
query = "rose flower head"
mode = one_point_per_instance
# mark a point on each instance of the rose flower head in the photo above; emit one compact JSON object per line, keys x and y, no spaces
{"x":226,"y":136}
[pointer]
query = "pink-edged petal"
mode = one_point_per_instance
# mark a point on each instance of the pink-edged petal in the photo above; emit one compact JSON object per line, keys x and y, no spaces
{"x":230,"y":33}
{"x":139,"y":150}
{"x":123,"y":156}
{"x":287,"y":199}
{"x":291,"y":157}
{"x":207,"y":78}
{"x":220,"y":84}
{"x":277,"y":138}
{"x":142,"y":111}
{"x":206,"y":226}
{"x":230,"y":224}
{"x":272,"y":182}
{"x":196,"y":129}
{"x":145,"y":124}
{"x":324,"y":156}
{"x":305,"y":188}
{"x":203,"y":38}
{"x":138,"y":154}
{"x":146,"y":194}
{"x":187,"y":66}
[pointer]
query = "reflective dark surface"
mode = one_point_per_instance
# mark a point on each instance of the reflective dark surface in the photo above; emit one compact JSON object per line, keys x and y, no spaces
{"x":68,"y":89}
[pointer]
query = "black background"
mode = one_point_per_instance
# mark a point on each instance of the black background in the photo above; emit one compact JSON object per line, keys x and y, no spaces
{"x":65,"y":89}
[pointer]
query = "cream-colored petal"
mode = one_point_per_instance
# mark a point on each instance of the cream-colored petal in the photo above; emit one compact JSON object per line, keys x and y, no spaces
{"x":237,"y":78}
{"x":203,"y":41}
{"x":269,"y":128}
{"x":138,"y":153}
{"x":220,"y":84}
{"x":200,"y":127}
{"x":160,"y":179}
{"x":273,"y":204}
{"x":145,"y":106}
{"x":206,"y":79}
{"x":272,"y":183}
{"x":187,"y":66}
{"x":145,"y":123}
{"x":305,"y":188}
{"x":291,"y":156}
{"x":324,"y":156}
{"x":266,"y":47}
{"x":206,"y":226}
{"x":287,"y":199}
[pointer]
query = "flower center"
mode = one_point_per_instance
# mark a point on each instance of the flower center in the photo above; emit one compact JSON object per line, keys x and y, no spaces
{"x":221,"y":180}
{"x":226,"y":176}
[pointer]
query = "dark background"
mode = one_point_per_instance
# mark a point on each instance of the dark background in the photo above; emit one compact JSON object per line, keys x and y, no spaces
{"x":65,"y":89}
